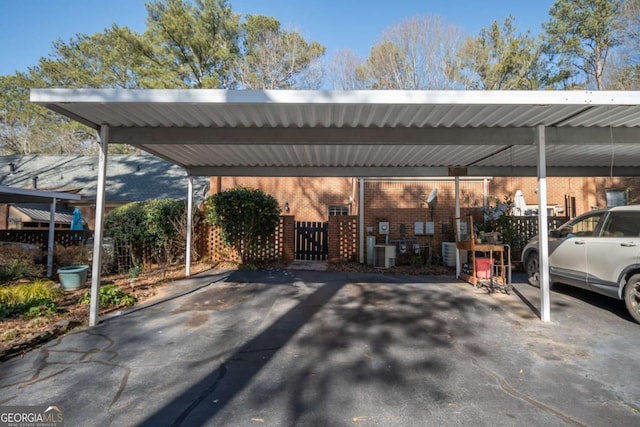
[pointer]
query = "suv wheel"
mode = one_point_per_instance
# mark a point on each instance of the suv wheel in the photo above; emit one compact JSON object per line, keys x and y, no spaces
{"x":532,"y":267}
{"x":632,"y":297}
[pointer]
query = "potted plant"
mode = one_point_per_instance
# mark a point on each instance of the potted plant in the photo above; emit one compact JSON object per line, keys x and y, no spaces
{"x":73,"y":276}
{"x":72,"y":271}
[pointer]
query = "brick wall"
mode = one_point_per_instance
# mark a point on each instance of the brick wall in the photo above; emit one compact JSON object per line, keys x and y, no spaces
{"x":589,"y":192}
{"x":308,"y":198}
{"x":401,"y":204}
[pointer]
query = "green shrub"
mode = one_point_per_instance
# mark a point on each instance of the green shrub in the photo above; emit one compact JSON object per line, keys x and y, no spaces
{"x":245,"y":216}
{"x":43,"y":308}
{"x":149,"y":226}
{"x":33,"y":299}
{"x":38,"y":289}
{"x":110,"y":295}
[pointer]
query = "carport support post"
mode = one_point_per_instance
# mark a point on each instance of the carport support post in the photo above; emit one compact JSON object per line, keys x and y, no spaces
{"x":187,"y":255}
{"x":52,"y":230}
{"x":457,"y":233}
{"x":543,"y":232}
{"x":99,"y":226}
{"x":361,"y":221}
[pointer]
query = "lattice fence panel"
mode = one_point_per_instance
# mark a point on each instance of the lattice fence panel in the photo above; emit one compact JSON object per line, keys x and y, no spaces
{"x":343,"y":238}
{"x":216,"y":250}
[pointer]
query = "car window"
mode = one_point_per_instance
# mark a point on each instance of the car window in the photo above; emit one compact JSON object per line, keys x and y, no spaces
{"x":584,"y":226}
{"x":622,"y":224}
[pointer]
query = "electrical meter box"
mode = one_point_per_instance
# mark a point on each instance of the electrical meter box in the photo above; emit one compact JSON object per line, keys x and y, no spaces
{"x":383,"y":227}
{"x":429,"y":228}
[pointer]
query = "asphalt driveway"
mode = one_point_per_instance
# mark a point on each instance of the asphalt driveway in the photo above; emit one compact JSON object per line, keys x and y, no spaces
{"x":284,"y":347}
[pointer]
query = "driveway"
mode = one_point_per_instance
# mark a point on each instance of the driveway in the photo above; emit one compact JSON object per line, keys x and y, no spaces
{"x":285,"y":347}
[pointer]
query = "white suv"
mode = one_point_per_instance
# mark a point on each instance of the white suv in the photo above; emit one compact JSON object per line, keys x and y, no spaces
{"x":598,"y":251}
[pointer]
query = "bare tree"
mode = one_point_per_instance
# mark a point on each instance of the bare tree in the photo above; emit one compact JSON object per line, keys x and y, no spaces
{"x":625,"y":62}
{"x":274,"y":58}
{"x":343,"y":71}
{"x":417,"y":53}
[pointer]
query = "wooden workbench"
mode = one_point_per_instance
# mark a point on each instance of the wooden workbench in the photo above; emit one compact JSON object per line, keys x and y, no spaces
{"x":496,"y":252}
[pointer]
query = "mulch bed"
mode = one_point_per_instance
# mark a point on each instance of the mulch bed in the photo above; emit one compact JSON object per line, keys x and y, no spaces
{"x":19,"y":335}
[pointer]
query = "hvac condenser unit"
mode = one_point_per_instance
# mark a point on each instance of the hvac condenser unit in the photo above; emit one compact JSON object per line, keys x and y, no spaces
{"x":384,"y":256}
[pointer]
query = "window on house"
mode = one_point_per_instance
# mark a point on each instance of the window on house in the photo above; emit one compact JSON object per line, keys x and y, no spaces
{"x":338,"y":210}
{"x":616,"y":198}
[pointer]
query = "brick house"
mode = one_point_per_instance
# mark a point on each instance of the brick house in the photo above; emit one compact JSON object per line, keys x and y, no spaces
{"x":401,"y":202}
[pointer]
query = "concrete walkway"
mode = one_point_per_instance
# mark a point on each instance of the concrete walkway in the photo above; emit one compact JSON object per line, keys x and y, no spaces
{"x":295,"y":347}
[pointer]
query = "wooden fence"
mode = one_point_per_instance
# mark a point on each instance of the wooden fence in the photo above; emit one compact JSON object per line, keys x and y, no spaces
{"x":526,"y":227}
{"x":40,"y":238}
{"x":279,"y":246}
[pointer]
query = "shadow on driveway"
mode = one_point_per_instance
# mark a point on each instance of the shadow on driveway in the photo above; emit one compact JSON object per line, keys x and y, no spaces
{"x":280,"y":347}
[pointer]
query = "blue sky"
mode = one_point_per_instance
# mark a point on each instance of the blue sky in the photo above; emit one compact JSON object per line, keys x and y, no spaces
{"x":29,"y":27}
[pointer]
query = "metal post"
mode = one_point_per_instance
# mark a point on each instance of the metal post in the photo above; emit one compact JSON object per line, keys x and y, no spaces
{"x":543,"y":232}
{"x":361,"y":221}
{"x":52,"y":230}
{"x":189,"y":226}
{"x":457,"y":223}
{"x":485,"y":194}
{"x":99,"y":226}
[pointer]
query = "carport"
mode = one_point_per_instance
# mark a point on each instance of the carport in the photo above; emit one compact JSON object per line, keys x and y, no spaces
{"x":364,"y":134}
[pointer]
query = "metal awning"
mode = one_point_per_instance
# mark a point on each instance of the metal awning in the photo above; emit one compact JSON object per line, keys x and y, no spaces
{"x":21,"y":195}
{"x":364,"y":134}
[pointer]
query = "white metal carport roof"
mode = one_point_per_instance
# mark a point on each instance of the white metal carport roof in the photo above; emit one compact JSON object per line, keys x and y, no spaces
{"x":364,"y":134}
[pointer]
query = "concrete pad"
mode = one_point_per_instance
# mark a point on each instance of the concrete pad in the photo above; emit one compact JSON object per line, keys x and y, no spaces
{"x":295,"y":347}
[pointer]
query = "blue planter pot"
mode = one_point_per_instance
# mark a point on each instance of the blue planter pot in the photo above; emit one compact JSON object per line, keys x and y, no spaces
{"x":73,"y":277}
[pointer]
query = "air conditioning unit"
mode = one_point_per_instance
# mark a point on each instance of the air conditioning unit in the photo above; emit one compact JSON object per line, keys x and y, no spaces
{"x":384,"y":256}
{"x":449,"y":253}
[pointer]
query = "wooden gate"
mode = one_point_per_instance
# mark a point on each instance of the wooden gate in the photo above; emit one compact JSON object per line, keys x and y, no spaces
{"x":311,"y":240}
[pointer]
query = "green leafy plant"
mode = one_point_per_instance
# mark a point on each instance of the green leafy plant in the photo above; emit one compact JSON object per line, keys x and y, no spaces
{"x":32,"y":299}
{"x":146,"y":227}
{"x":134,"y":272}
{"x":38,"y":289}
{"x":497,"y":218}
{"x":44,"y":308}
{"x":245,"y":216}
{"x":110,"y":295}
{"x":30,"y":308}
